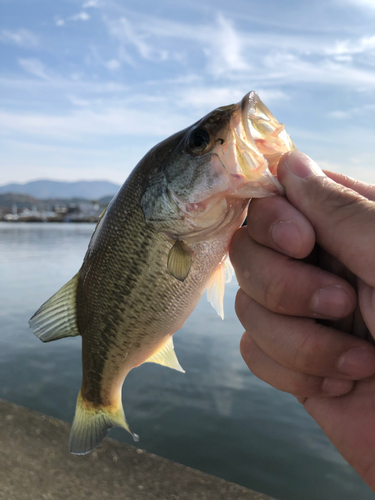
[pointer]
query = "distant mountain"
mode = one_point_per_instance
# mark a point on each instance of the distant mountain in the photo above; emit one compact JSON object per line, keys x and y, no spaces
{"x":7,"y":200}
{"x":91,"y":190}
{"x":21,"y":200}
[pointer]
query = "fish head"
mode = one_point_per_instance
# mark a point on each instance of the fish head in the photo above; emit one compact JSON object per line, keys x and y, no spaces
{"x":223,"y":160}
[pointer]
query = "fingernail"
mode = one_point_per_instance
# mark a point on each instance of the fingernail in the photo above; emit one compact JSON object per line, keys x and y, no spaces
{"x":302,"y":165}
{"x":332,"y":302}
{"x":286,"y":236}
{"x":337,"y":387}
{"x":358,"y":362}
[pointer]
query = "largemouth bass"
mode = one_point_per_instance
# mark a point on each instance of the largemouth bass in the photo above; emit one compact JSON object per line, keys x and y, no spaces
{"x":162,"y":241}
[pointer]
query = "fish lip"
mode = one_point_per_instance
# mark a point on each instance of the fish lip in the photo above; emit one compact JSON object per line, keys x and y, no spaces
{"x":246,"y":104}
{"x":247,"y":109}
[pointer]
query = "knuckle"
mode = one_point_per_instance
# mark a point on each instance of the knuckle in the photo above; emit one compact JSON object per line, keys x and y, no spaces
{"x":237,"y":244}
{"x":273,"y":294}
{"x":297,"y":387}
{"x":340,"y":199}
{"x":248,"y":350}
{"x":307,"y":353}
{"x":301,"y":399}
{"x":305,"y":386}
{"x":369,"y":191}
{"x":241,"y":304}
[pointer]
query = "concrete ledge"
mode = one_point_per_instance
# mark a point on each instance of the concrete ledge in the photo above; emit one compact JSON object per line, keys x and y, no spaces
{"x":35,"y":464}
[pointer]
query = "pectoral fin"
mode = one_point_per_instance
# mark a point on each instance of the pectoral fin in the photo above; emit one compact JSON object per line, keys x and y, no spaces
{"x":179,"y":261}
{"x":215,"y":291}
{"x":166,"y":356}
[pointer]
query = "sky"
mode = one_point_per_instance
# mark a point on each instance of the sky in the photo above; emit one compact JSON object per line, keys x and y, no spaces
{"x":87,"y":87}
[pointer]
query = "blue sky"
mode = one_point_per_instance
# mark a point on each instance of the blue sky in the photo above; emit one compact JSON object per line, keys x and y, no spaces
{"x":87,"y":87}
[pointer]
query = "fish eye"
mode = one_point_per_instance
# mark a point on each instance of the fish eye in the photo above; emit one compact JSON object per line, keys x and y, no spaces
{"x":198,"y":140}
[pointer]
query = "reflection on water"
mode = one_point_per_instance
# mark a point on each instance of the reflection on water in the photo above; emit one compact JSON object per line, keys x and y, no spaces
{"x":217,"y":417}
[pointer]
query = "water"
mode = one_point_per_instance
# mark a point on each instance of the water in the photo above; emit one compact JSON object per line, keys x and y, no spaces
{"x":217,"y":417}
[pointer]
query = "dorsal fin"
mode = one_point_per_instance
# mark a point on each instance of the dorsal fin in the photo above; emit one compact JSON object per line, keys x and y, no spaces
{"x":216,"y":287}
{"x":57,"y":318}
{"x":166,"y":356}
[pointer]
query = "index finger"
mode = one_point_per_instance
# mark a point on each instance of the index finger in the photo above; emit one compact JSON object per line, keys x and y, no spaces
{"x":343,"y":220}
{"x":362,"y":188}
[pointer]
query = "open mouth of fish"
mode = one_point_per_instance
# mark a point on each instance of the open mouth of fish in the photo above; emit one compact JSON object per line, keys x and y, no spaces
{"x":254,"y":147}
{"x":250,"y":153}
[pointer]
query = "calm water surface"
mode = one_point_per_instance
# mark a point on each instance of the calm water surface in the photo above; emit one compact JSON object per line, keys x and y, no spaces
{"x":217,"y":417}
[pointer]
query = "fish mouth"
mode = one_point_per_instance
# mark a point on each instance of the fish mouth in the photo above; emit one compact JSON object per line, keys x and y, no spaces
{"x":263,"y":128}
{"x":259,"y":140}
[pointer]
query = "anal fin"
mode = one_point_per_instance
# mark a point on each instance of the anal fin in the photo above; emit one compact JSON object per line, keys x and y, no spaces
{"x":216,"y":287}
{"x":166,"y":356}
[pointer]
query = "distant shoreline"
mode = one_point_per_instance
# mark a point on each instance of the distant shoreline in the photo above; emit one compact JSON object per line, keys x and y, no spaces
{"x":17,"y":221}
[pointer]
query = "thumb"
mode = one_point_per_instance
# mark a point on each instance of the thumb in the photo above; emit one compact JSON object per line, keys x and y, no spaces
{"x":343,"y":220}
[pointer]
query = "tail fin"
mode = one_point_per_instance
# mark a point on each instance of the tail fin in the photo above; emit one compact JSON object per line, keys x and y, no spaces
{"x":90,"y":425}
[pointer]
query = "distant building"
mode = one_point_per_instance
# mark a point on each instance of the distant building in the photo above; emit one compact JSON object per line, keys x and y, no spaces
{"x":49,"y":210}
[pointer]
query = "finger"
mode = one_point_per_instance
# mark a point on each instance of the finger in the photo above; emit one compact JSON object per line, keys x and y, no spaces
{"x":284,"y":379}
{"x":288,"y":286}
{"x":343,"y":220}
{"x":275,"y":223}
{"x":301,"y":399}
{"x":304,"y":346}
{"x":366,"y":190}
{"x":367,"y":305}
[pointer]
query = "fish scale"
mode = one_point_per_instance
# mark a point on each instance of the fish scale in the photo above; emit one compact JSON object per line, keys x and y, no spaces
{"x":160,"y":243}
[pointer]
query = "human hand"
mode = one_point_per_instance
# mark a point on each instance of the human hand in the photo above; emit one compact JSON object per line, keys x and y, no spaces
{"x":327,"y":365}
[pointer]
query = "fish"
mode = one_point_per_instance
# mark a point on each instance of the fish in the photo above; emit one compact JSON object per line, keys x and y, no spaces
{"x":160,"y":243}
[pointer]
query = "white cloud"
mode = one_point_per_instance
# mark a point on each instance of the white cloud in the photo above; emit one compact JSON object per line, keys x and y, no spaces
{"x":34,"y":67}
{"x":128,"y":35}
{"x":356,"y":46}
{"x":207,"y":98}
{"x":79,"y":102}
{"x":30,"y":160}
{"x":21,"y":37}
{"x":226,"y":49}
{"x":82,"y":16}
{"x":228,"y":53}
{"x":113,"y":64}
{"x":287,"y":68}
{"x":90,"y":3}
{"x":50,"y":83}
{"x":338,"y":115}
{"x":94,"y":58}
{"x":271,"y":96}
{"x":109,"y":121}
{"x":362,"y":111}
{"x":368,"y":4}
{"x":184,"y":79}
{"x":343,"y":58}
{"x":221,"y":44}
